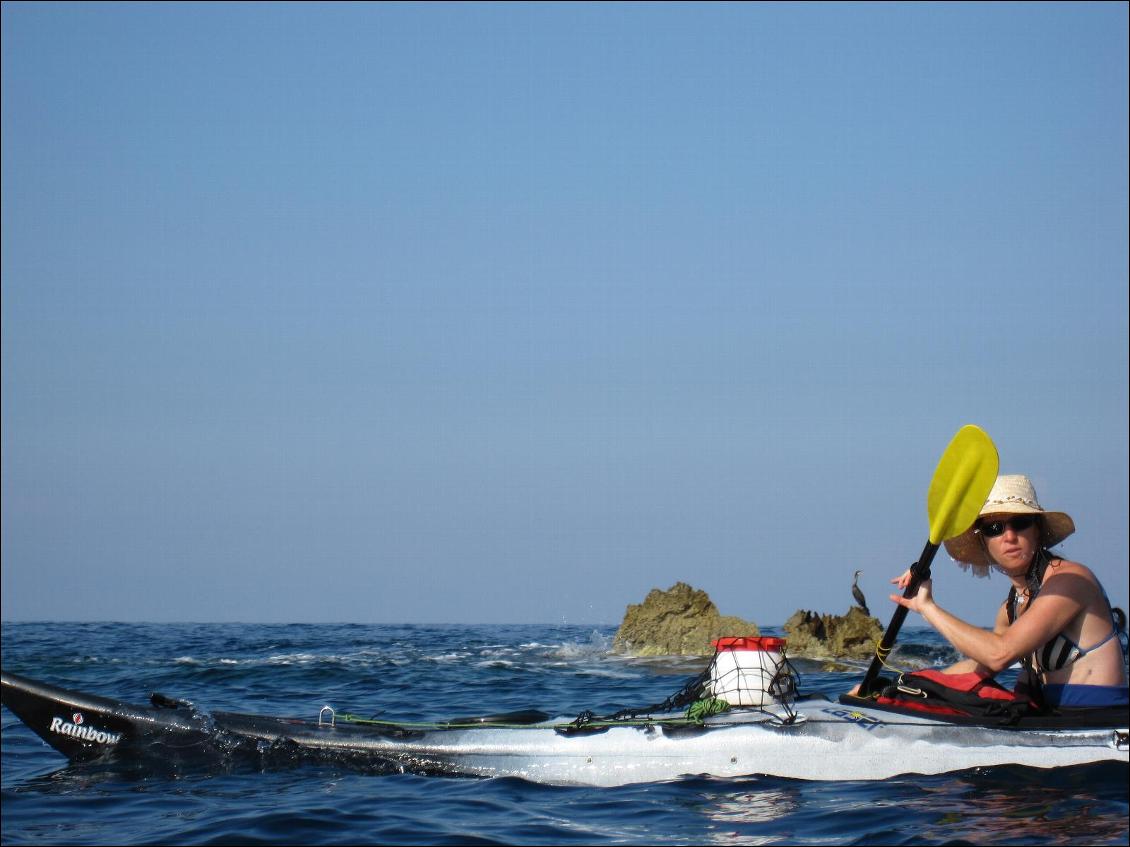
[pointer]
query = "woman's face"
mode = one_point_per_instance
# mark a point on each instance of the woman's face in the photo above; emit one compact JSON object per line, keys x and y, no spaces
{"x":1010,"y":543}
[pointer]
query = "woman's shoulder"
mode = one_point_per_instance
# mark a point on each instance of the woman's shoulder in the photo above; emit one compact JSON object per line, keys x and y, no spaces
{"x":1059,"y":567}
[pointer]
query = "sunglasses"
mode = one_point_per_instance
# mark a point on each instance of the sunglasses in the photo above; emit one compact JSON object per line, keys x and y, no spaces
{"x":1018,"y":524}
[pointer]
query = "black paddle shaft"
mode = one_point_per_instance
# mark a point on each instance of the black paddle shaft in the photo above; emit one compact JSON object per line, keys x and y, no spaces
{"x":919,"y":572}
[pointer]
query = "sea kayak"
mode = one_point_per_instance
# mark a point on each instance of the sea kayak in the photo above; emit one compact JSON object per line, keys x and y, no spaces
{"x":814,"y":738}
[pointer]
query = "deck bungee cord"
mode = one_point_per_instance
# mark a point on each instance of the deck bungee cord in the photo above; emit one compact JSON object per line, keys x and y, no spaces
{"x":748,"y":674}
{"x":745,"y":673}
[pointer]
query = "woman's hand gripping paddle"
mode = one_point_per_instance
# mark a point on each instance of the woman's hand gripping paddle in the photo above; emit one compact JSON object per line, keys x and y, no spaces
{"x":962,"y":481}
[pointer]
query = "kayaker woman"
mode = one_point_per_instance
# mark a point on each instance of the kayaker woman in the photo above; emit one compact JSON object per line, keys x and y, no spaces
{"x":1056,"y":621}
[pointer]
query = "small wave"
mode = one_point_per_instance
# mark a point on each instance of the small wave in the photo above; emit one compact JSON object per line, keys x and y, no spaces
{"x":495,"y":653}
{"x":496,"y":663}
{"x":596,"y":645}
{"x":301,"y":659}
{"x":445,"y":658}
{"x":606,"y":673}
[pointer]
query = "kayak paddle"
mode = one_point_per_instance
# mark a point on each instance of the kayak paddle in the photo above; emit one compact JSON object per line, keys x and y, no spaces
{"x":962,"y":481}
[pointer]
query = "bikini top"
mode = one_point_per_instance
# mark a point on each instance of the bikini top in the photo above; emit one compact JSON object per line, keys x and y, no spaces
{"x":1061,"y":651}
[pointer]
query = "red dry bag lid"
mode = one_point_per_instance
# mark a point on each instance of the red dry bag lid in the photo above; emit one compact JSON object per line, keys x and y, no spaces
{"x":765,"y":642}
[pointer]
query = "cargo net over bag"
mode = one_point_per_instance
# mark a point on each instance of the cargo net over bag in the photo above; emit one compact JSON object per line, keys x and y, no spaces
{"x":750,"y":673}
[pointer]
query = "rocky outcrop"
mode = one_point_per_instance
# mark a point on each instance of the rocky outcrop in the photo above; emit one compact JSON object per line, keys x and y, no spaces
{"x":816,"y":636}
{"x":681,"y":621}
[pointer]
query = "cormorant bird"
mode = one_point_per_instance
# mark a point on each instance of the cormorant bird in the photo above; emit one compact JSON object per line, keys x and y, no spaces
{"x":858,"y":594}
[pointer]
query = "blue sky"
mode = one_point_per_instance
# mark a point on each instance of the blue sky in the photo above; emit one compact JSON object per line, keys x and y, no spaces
{"x":510,"y":313}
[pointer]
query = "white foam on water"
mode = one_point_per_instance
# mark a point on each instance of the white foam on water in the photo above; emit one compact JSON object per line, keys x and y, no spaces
{"x":445,"y":658}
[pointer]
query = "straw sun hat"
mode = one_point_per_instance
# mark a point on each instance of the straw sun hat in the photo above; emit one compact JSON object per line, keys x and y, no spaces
{"x":1012,"y":494}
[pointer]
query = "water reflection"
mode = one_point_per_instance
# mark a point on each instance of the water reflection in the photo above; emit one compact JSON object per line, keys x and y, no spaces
{"x":1009,"y":805}
{"x":740,"y":817}
{"x":1016,"y":808}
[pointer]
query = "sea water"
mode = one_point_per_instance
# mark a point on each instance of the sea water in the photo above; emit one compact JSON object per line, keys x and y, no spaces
{"x":436,"y":672}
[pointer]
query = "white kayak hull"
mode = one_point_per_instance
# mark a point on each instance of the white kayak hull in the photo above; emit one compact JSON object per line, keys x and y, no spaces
{"x":826,"y":742}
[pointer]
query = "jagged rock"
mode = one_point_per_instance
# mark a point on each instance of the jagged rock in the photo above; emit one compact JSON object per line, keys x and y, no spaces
{"x":681,"y":621}
{"x":816,"y":636}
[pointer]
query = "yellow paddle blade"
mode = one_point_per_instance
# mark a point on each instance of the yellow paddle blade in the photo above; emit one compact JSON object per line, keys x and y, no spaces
{"x":961,"y":483}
